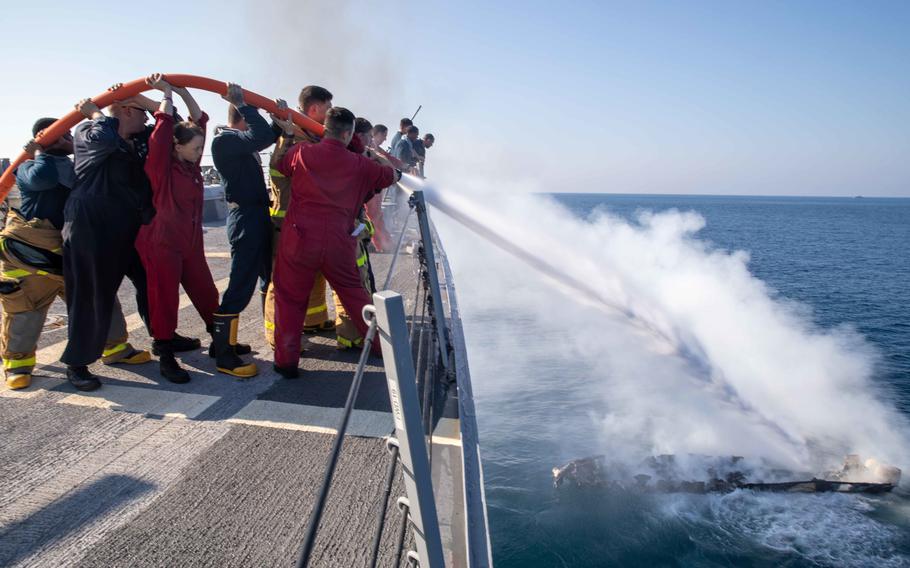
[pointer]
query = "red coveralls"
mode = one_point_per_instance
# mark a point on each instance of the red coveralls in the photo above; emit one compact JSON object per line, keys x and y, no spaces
{"x":381,"y":238}
{"x":329,"y":184}
{"x":171,"y":245}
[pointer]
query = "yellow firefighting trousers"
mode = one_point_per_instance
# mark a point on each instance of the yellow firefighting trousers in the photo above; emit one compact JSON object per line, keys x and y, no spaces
{"x":345,"y":331}
{"x":29,"y":293}
{"x":318,"y":310}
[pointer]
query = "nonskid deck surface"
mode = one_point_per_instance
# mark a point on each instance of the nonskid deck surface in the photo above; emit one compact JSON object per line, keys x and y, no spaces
{"x":217,"y":472}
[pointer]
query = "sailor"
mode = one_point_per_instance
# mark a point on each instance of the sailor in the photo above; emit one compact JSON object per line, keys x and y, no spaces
{"x":31,"y":261}
{"x":380,"y":238}
{"x":329,"y":185}
{"x":110,"y":200}
{"x":140,"y":143}
{"x":314,"y":101}
{"x":379,"y":135}
{"x":171,"y":246}
{"x":363,"y":129}
{"x":421,"y":145}
{"x":403,"y":126}
{"x":235,"y":151}
{"x":404,"y":148}
{"x":346,"y":333}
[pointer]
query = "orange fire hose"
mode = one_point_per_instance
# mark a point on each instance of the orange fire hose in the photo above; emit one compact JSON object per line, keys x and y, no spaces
{"x":127,"y":90}
{"x":396,"y":163}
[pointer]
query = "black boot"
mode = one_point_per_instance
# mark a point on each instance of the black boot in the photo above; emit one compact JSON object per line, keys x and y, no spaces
{"x":167,"y":365}
{"x":180,"y":343}
{"x":224,"y":348}
{"x":287,"y":372}
{"x":81,"y":378}
{"x":238,"y":348}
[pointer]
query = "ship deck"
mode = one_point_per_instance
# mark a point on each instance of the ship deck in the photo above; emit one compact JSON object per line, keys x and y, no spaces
{"x":217,"y":472}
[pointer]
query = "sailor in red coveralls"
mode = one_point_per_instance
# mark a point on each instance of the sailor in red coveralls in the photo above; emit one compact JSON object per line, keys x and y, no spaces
{"x":329,"y":185}
{"x":171,"y":246}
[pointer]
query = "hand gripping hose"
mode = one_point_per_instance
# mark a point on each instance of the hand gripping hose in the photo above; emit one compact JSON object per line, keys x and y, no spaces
{"x":127,"y":90}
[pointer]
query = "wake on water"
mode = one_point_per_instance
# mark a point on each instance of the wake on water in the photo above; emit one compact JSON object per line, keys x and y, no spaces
{"x":690,"y":353}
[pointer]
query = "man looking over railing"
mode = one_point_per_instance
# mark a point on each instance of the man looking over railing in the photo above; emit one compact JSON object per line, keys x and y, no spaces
{"x":404,"y":149}
{"x":403,"y":126}
{"x":420,"y":148}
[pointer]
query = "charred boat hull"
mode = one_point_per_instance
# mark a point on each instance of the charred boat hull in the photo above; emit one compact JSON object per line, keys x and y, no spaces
{"x":707,"y":474}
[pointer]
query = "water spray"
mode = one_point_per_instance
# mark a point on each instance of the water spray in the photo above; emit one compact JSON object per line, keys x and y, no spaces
{"x":410,"y":183}
{"x":691,"y":354}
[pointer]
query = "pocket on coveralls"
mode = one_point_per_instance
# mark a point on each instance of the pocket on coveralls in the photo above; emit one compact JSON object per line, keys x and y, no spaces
{"x":14,"y":298}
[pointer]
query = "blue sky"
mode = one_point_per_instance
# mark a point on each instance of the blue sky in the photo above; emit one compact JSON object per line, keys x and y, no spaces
{"x":786,"y":98}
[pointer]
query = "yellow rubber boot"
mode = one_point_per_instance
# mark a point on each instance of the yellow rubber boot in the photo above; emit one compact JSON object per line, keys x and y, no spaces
{"x":224,"y":338}
{"x":18,"y":381}
{"x":125,"y":354}
{"x":137,"y":357}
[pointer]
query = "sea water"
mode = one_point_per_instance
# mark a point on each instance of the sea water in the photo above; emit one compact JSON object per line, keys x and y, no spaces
{"x":838,"y":267}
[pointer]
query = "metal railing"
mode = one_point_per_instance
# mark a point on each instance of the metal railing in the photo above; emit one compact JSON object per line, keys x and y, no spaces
{"x":413,"y":453}
{"x":316,"y":515}
{"x":412,"y":391}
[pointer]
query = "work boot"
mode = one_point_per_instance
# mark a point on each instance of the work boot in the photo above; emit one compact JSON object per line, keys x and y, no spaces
{"x":81,"y":378}
{"x":16,"y":381}
{"x":239,"y":348}
{"x":180,"y":343}
{"x":343,"y":343}
{"x":168,"y":366}
{"x":223,"y":349}
{"x":327,"y":325}
{"x":125,"y":354}
{"x":303,"y":344}
{"x":287,"y":372}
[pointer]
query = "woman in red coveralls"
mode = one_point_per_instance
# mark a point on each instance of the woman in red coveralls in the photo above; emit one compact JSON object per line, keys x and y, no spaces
{"x":171,"y":246}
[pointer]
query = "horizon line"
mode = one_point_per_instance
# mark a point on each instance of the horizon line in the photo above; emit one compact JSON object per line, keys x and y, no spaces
{"x":720,"y":195}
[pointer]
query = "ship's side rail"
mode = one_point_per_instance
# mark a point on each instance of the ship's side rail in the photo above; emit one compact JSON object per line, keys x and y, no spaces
{"x":477,"y":536}
{"x":424,"y":355}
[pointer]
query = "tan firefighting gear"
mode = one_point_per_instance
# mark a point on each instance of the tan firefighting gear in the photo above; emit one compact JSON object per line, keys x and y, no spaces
{"x":31,"y":278}
{"x":317,"y":318}
{"x":346,"y":333}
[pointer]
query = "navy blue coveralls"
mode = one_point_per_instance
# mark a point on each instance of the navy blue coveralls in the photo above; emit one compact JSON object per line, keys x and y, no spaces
{"x":110,"y":200}
{"x":249,"y":226}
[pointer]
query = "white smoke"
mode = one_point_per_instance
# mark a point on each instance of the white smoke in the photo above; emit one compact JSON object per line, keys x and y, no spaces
{"x":689,"y":352}
{"x":343,"y":46}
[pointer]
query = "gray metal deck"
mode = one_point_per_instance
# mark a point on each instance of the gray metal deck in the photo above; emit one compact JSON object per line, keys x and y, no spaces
{"x":218,"y":472}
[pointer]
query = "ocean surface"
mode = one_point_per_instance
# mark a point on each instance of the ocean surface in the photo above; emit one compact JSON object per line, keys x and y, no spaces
{"x":845,"y":260}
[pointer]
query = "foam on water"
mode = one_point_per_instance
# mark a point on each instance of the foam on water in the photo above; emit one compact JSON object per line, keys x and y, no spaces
{"x":831,"y":530}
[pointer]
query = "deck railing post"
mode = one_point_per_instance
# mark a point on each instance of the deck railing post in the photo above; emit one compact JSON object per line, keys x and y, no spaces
{"x":415,"y":463}
{"x":426,"y":237}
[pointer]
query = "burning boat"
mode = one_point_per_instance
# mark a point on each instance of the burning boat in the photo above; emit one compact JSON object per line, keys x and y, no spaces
{"x":709,"y":474}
